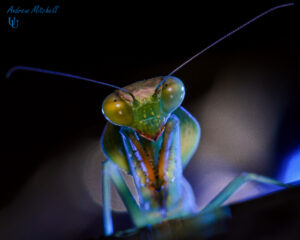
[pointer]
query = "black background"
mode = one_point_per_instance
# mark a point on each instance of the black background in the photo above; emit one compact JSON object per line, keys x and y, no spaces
{"x":120,"y":43}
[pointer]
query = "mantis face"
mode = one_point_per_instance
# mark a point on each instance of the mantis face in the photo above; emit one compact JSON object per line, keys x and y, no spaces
{"x":150,"y":108}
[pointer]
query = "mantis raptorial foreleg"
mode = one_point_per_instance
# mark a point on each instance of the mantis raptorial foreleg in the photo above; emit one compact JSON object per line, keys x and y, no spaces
{"x":138,"y":161}
{"x":166,"y":178}
{"x":167,"y":174}
{"x":236,"y":183}
{"x":169,"y":163}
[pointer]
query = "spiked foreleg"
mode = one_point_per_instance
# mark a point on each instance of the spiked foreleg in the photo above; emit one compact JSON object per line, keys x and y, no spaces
{"x":137,"y":161}
{"x":170,"y":164}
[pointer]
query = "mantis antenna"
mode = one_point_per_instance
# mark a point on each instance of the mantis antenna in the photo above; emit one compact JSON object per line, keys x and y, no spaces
{"x":227,"y":35}
{"x":32,"y":69}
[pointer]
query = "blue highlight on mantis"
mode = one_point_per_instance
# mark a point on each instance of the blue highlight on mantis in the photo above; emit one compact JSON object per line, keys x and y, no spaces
{"x":152,"y":138}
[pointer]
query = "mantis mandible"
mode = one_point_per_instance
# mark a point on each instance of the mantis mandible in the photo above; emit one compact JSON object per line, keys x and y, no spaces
{"x":152,"y":138}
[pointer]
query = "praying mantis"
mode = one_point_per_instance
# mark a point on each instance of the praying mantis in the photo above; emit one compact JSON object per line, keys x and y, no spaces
{"x":152,"y":138}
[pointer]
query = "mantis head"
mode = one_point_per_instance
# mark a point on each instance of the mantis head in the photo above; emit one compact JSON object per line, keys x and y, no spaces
{"x":147,"y":108}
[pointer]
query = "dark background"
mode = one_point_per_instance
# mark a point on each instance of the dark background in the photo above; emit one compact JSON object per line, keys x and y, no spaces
{"x":122,"y":43}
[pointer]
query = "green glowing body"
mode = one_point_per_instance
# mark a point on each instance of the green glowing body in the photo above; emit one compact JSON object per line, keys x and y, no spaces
{"x":153,"y":144}
{"x":151,"y":137}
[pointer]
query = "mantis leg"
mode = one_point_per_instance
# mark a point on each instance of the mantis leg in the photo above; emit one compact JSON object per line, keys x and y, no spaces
{"x":140,"y":166}
{"x":236,"y":183}
{"x":106,"y":200}
{"x":171,"y":173}
{"x":111,"y":171}
{"x":169,"y":163}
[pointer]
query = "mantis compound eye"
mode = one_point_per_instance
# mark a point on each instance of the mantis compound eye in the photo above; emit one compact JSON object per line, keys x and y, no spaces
{"x":117,"y":111}
{"x":172,"y":94}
